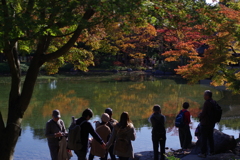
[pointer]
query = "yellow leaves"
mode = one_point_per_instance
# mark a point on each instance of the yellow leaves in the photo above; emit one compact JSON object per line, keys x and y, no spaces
{"x":238,"y":75}
{"x":171,"y":59}
{"x":65,"y":101}
{"x":180,"y":34}
{"x":137,"y":86}
{"x":137,"y":55}
{"x":51,"y":67}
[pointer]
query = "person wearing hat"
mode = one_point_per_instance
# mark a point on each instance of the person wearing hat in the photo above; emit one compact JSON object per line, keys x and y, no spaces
{"x":111,"y":123}
{"x":158,"y":132}
{"x":55,"y":130}
{"x":104,"y":132}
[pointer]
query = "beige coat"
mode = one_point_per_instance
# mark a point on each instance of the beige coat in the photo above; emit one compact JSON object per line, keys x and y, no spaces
{"x":128,"y":134}
{"x":104,"y":132}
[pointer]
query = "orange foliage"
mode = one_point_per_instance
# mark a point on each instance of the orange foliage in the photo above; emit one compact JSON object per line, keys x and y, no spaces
{"x":67,"y":103}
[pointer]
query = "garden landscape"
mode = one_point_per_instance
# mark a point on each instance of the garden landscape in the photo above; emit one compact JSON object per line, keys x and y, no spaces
{"x":127,"y":55}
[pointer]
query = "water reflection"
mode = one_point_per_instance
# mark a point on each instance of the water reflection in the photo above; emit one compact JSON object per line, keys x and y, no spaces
{"x":39,"y":134}
{"x":52,"y":84}
{"x":135,"y":94}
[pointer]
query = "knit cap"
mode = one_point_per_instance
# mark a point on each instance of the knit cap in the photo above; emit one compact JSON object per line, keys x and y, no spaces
{"x":105,"y":117}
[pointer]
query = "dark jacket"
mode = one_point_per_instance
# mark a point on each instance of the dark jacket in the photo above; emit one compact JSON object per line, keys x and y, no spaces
{"x":158,"y":124}
{"x":112,"y":122}
{"x":206,"y":116}
{"x":87,"y":128}
{"x":53,"y":127}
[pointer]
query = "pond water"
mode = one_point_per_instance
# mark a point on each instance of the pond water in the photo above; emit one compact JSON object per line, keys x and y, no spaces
{"x":135,"y":94}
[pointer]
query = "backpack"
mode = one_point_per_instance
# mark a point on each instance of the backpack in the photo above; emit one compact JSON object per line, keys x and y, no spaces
{"x":179,"y":121}
{"x":217,"y":112}
{"x":74,"y":136}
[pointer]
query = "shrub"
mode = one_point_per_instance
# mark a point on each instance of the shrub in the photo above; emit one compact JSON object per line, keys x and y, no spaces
{"x":4,"y":68}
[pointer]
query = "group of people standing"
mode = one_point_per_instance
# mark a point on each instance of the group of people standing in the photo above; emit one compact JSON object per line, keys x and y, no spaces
{"x":110,"y":136}
{"x":114,"y":138}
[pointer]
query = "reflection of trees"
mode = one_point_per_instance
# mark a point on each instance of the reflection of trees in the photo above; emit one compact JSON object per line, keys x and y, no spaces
{"x":138,"y":98}
{"x":135,"y":94}
{"x":39,"y":134}
{"x":67,"y":103}
{"x":40,"y":112}
{"x":233,"y":123}
{"x":169,"y":106}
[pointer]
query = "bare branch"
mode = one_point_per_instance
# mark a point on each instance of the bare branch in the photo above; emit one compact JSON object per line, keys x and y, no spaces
{"x":235,"y":53}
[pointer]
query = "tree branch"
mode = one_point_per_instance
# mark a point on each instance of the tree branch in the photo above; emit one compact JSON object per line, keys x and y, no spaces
{"x":10,"y":51}
{"x":5,"y":8}
{"x":32,"y":73}
{"x":2,"y":126}
{"x":64,"y":49}
{"x":235,"y":53}
{"x":30,"y":6}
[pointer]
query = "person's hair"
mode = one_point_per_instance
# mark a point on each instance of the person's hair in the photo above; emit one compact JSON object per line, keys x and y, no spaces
{"x":124,"y":119}
{"x":209,"y":93}
{"x":185,"y":105}
{"x":87,"y":112}
{"x":103,"y":122}
{"x":156,"y":108}
{"x":109,"y":111}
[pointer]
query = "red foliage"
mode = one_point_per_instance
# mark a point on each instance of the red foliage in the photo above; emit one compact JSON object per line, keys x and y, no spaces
{"x":117,"y":63}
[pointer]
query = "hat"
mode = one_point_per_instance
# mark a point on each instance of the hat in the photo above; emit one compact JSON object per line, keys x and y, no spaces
{"x":56,"y":113}
{"x":108,"y":111}
{"x":105,"y":117}
{"x":156,"y":108}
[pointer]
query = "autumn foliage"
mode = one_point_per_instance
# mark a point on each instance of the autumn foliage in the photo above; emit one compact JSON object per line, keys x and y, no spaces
{"x":206,"y":44}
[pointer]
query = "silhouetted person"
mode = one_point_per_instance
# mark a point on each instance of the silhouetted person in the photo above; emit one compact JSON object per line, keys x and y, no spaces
{"x":86,"y":129}
{"x":207,"y":124}
{"x":185,"y":136}
{"x":158,"y":132}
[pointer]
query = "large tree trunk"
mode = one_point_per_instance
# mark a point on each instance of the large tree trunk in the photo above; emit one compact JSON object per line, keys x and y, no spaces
{"x":18,"y":102}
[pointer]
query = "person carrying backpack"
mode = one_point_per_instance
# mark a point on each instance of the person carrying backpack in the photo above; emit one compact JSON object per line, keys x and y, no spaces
{"x":86,"y":128}
{"x":158,"y":132}
{"x":185,"y":136}
{"x":104,"y":132}
{"x":208,"y":117}
{"x":123,"y":134}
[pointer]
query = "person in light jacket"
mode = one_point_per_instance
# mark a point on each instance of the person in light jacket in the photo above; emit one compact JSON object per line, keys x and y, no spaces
{"x":104,"y":132}
{"x":123,"y":134}
{"x":55,"y":132}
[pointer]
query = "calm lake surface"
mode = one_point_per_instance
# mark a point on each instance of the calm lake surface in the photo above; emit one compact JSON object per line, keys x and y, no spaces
{"x":135,"y":94}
